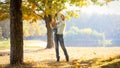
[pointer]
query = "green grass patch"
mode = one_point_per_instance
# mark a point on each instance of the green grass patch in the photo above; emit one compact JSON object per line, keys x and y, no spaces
{"x":6,"y":45}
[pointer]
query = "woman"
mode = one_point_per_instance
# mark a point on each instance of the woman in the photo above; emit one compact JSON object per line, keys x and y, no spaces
{"x":59,"y":28}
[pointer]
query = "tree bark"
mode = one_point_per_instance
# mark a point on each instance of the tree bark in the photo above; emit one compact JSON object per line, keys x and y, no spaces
{"x":50,"y":38}
{"x":50,"y":43}
{"x":16,"y":32}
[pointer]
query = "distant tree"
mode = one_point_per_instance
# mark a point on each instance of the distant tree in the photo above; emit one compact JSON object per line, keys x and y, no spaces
{"x":16,"y":32}
{"x":83,"y":34}
{"x":0,"y":33}
{"x":28,"y":32}
{"x":5,"y":27}
{"x":4,"y":10}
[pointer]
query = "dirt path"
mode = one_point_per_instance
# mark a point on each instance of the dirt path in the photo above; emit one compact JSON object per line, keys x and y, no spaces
{"x":79,"y":56}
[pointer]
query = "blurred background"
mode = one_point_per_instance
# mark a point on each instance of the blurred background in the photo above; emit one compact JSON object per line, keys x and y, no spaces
{"x":95,"y":27}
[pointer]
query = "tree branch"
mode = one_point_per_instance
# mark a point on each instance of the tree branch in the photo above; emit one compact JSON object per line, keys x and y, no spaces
{"x":37,"y":14}
{"x":39,"y":6}
{"x":58,"y":12}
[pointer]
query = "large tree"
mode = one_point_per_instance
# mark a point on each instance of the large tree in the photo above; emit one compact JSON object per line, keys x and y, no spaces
{"x":16,"y":32}
{"x":47,"y":9}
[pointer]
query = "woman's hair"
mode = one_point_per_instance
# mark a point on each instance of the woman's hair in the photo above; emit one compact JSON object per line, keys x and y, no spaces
{"x":63,"y":17}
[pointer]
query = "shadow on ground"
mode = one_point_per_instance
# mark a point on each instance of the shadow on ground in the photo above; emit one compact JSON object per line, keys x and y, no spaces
{"x":24,"y":65}
{"x":114,"y":64}
{"x":64,"y":64}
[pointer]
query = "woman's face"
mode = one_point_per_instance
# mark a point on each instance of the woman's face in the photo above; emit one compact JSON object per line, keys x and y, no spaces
{"x":63,"y":18}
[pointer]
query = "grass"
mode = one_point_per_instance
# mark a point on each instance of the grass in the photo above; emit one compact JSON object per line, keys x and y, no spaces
{"x":5,"y":44}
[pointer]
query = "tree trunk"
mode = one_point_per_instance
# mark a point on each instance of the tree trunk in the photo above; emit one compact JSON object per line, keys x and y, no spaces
{"x":16,"y":32}
{"x":50,"y":39}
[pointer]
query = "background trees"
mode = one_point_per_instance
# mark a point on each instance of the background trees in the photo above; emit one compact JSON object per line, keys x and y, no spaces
{"x":4,"y":10}
{"x":46,"y":9}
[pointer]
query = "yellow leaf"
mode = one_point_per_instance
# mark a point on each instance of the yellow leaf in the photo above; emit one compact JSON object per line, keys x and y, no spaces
{"x":107,"y":0}
{"x":68,"y":17}
{"x":77,"y":65}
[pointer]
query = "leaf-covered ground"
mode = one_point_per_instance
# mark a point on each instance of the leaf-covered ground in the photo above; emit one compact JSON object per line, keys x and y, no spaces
{"x":84,"y":57}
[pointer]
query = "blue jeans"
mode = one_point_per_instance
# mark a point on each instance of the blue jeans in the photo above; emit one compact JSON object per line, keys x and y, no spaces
{"x":59,"y":39}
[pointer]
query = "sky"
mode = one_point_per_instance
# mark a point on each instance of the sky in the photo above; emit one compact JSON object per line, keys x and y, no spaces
{"x":110,"y":8}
